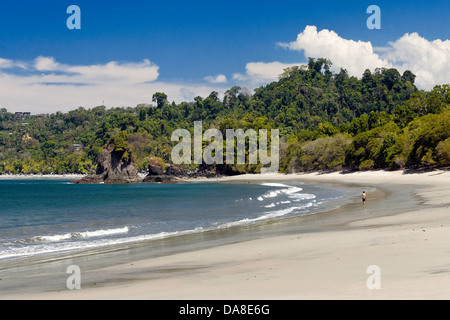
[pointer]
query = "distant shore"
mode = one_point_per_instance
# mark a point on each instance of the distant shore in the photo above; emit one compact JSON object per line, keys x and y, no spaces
{"x":410,"y":248}
{"x":67,"y":176}
{"x":71,"y":176}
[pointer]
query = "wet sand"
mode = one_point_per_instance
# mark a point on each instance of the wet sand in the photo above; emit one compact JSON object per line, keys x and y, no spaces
{"x":404,"y":232}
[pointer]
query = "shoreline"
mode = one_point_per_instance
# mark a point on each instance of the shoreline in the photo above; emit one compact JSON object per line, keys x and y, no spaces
{"x":409,"y":248}
{"x":71,"y":176}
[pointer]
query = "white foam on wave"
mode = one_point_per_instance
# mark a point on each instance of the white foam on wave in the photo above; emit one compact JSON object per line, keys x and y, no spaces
{"x":291,"y":192}
{"x":275,"y":193}
{"x":55,"y":243}
{"x":301,"y":196}
{"x":266,"y":216}
{"x":273,"y":184}
{"x":85,"y":234}
{"x":79,"y":245}
{"x":101,"y":233}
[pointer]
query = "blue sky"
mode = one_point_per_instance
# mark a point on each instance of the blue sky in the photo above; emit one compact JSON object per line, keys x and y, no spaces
{"x":193,"y":47}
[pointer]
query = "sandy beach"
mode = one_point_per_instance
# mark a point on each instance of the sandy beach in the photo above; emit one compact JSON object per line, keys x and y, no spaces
{"x":72,"y":176}
{"x":397,"y":256}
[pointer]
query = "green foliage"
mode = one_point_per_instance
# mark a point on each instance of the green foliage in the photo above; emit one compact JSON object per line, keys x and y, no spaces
{"x":160,"y":99}
{"x":326,"y":153}
{"x":120,"y":142}
{"x":423,"y":103}
{"x":430,"y":131}
{"x":443,"y":151}
{"x":370,"y":149}
{"x":327,"y":121}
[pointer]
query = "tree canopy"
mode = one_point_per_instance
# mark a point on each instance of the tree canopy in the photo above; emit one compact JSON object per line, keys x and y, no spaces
{"x":327,"y":121}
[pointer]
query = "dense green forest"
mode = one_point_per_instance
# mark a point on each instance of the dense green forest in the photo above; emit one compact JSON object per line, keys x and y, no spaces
{"x":327,"y":121}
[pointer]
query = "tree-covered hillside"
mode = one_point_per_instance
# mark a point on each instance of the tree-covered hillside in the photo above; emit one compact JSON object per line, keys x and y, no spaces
{"x":327,"y":121}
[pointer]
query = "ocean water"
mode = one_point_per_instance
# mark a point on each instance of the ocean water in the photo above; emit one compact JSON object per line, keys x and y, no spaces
{"x":39,"y":217}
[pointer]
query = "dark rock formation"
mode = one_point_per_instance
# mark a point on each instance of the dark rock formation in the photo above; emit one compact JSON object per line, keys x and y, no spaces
{"x":214,"y":171}
{"x":114,"y":166}
{"x":173,"y":170}
{"x":159,"y":172}
{"x":155,"y":166}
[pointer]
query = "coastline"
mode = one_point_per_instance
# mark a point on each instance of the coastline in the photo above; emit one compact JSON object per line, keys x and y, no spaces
{"x":72,"y":176}
{"x":409,"y":247}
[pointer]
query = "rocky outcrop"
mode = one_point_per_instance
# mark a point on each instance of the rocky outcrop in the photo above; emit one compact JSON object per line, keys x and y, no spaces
{"x":214,"y":171}
{"x":175,"y":171}
{"x":159,"y":172}
{"x":167,"y":173}
{"x":156,"y":166}
{"x":114,"y":166}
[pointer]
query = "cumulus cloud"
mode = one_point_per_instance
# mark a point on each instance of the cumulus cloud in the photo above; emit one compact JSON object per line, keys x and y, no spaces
{"x":46,"y":64}
{"x":46,"y":86}
{"x":263,"y":72}
{"x":217,"y":79}
{"x":355,"y":56}
{"x":428,"y":60}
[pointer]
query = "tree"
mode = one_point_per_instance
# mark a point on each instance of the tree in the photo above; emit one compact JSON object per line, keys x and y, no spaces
{"x":120,"y":142}
{"x":317,"y":112}
{"x":160,"y":99}
{"x":443,"y":151}
{"x":428,"y":132}
{"x":230,"y":97}
{"x":359,"y":125}
{"x":390,"y":77}
{"x":49,"y":148}
{"x":408,"y":76}
{"x":142,"y":114}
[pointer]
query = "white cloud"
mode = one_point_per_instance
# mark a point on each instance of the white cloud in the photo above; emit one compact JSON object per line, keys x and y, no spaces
{"x":10,"y":64}
{"x":93,"y":74}
{"x":428,"y":60}
{"x":6,"y":64}
{"x":217,"y":79}
{"x":46,"y":64}
{"x":48,"y":86}
{"x":355,"y":56}
{"x":263,"y":72}
{"x":130,"y":72}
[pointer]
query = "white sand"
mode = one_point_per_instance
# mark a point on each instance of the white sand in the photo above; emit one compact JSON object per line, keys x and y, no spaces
{"x":71,"y":176}
{"x":411,"y":250}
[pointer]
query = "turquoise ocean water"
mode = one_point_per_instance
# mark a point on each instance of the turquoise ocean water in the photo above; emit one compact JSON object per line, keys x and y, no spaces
{"x":40,"y":217}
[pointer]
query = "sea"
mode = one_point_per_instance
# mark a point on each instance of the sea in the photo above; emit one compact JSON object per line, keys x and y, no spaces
{"x":43,"y":217}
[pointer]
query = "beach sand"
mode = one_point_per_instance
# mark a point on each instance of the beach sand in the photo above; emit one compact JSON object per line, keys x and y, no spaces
{"x":409,"y":252}
{"x":72,"y":176}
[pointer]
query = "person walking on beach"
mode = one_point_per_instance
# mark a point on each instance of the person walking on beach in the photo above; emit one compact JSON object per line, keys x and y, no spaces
{"x":364,"y":196}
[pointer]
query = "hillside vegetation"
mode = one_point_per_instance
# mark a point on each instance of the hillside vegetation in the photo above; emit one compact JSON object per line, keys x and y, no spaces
{"x":327,"y":121}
